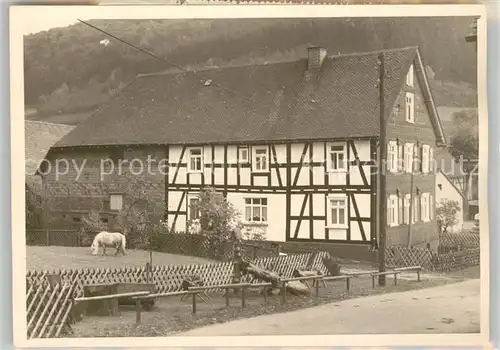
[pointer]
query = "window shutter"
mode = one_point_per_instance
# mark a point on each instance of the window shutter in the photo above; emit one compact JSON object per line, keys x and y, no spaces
{"x":420,"y":155}
{"x":417,"y":206}
{"x":422,"y":211}
{"x":389,"y":211}
{"x":389,"y":167}
{"x":401,"y":158}
{"x":431,"y":207}
{"x":431,"y":159}
{"x":400,"y":211}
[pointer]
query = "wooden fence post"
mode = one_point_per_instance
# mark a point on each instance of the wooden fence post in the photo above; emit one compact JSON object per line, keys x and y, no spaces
{"x":237,"y":260}
{"x":138,"y":311}
{"x":283,"y":293}
{"x":47,"y":237}
{"x":316,"y":282}
{"x":190,"y":244}
{"x":348,"y":284}
{"x":194,"y":302}
{"x":243,"y":297}
{"x":278,"y":249}
{"x":227,"y":297}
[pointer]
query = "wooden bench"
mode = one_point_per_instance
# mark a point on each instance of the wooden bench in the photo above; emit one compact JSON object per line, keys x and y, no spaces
{"x":194,"y":281}
{"x":346,"y":277}
{"x":396,"y":272}
{"x":105,"y":305}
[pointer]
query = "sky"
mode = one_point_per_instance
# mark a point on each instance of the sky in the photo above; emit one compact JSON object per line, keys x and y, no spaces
{"x":41,"y":23}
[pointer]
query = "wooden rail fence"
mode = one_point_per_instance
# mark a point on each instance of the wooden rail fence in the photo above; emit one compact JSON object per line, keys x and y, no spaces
{"x":194,"y":291}
{"x":49,"y":305}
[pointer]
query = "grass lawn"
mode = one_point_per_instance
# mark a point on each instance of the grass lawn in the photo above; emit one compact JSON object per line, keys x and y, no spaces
{"x":54,"y":257}
{"x":171,"y":315}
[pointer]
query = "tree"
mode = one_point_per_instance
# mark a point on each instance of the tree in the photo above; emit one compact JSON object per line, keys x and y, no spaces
{"x":33,"y":208}
{"x":218,"y":218}
{"x":216,"y":214}
{"x":464,"y":146}
{"x":446,"y":214}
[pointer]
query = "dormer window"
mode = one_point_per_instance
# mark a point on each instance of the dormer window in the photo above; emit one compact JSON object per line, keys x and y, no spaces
{"x":337,"y":157}
{"x":195,"y":160}
{"x":243,"y":155}
{"x":410,"y":108}
{"x":409,"y":77}
{"x":260,"y":159}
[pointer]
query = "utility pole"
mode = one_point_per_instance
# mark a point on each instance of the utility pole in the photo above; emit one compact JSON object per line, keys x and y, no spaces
{"x":382,"y":170}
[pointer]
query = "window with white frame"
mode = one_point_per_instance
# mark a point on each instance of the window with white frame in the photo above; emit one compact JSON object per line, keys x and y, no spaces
{"x":409,"y":157}
{"x":260,"y":157}
{"x":392,"y":156}
{"x":336,"y":157}
{"x":410,"y":107}
{"x":116,"y":201}
{"x":256,"y":210}
{"x":195,"y":159}
{"x":425,"y":207}
{"x":243,"y":154}
{"x":425,"y":159}
{"x":407,"y":209}
{"x":409,"y":76}
{"x":337,"y":211}
{"x":193,"y":213}
{"x":392,"y":210}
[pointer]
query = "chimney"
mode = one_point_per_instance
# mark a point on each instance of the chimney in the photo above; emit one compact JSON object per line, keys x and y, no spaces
{"x":316,"y":55}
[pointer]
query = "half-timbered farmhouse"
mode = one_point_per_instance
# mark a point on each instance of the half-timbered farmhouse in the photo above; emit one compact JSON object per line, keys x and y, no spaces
{"x":293,"y":145}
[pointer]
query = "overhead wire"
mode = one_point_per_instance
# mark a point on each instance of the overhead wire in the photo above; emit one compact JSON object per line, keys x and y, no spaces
{"x":164,"y":60}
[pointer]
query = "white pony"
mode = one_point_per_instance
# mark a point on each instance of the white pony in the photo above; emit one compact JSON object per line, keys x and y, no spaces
{"x":108,"y":239}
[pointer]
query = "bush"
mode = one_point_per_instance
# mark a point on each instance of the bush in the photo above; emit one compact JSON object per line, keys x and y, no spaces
{"x":446,"y":214}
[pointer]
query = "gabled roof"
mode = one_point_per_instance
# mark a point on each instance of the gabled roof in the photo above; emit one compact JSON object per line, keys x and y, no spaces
{"x":452,"y":184}
{"x":447,"y":164}
{"x":271,"y":102}
{"x":39,"y":138}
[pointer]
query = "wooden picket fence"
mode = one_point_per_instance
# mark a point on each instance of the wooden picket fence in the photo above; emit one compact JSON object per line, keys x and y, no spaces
{"x":169,"y":278}
{"x":400,"y":256}
{"x":458,"y":241}
{"x":48,"y":309}
{"x":454,"y":261}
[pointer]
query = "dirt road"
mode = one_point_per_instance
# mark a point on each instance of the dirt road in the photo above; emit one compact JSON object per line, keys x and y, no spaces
{"x":453,"y":308}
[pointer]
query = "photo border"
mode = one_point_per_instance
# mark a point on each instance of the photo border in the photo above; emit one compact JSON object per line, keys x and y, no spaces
{"x":18,"y":14}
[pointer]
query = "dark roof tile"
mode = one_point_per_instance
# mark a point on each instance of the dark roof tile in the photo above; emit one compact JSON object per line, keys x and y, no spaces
{"x":278,"y":101}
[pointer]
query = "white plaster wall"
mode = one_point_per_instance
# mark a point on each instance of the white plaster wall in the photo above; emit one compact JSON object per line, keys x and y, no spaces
{"x":449,"y":192}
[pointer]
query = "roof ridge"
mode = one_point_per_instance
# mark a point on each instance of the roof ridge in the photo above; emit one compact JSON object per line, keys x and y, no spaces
{"x":215,"y":68}
{"x":368,"y":53}
{"x":49,"y":123}
{"x":268,"y":63}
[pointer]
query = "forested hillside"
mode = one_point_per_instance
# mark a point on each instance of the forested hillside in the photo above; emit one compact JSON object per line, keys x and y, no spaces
{"x":70,"y":70}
